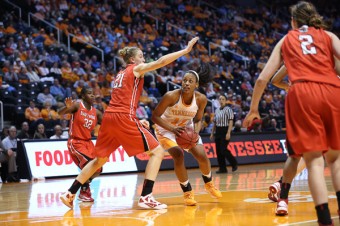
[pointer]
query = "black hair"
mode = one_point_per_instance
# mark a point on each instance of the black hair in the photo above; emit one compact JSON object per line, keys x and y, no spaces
{"x":206,"y":73}
{"x":84,"y":91}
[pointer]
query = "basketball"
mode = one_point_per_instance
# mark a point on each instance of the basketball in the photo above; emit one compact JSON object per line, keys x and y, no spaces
{"x":188,"y":138}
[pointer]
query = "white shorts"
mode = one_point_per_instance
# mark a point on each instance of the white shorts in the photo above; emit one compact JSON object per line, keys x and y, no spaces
{"x":168,"y":140}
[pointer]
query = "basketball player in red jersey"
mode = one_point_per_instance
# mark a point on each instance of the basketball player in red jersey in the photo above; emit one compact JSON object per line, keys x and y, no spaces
{"x":294,"y":163}
{"x":120,"y":126}
{"x":312,"y":111}
{"x":182,"y":108}
{"x":84,"y":119}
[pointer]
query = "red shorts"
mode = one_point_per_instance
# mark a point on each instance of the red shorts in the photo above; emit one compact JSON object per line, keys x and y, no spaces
{"x":119,"y":129}
{"x":81,"y":151}
{"x":313,"y":117}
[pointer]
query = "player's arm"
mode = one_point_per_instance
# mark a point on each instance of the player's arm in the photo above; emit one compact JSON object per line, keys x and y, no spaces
{"x":142,"y":68}
{"x":70,"y":107}
{"x":99,"y":117}
{"x":273,"y":64}
{"x":277,"y":79}
{"x":335,"y":44}
{"x":169,"y":99}
{"x":202,"y":103}
{"x":337,"y":66}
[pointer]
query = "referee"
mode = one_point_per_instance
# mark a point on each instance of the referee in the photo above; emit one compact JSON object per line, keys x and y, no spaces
{"x":223,"y":124}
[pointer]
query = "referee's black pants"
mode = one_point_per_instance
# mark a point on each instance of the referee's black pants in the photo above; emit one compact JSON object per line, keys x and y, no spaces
{"x":222,"y":151}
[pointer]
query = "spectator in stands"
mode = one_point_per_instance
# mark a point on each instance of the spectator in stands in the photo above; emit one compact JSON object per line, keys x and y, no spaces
{"x":4,"y":132}
{"x":8,"y":156}
{"x":55,"y":71}
{"x":58,"y":91}
{"x":207,"y":120}
{"x":99,"y":104}
{"x":53,"y":58}
{"x":273,"y":126}
{"x":64,"y":127}
{"x":24,"y":133}
{"x":50,"y":116}
{"x":32,"y":74}
{"x":95,"y":87}
{"x":44,"y":72}
{"x":23,"y":76}
{"x":106,"y":91}
{"x":40,"y":132}
{"x":11,"y":77}
{"x":10,"y":147}
{"x":78,"y":69}
{"x":238,"y":127}
{"x":33,"y":114}
{"x":153,"y":90}
{"x":58,"y":133}
{"x":46,"y":96}
{"x":141,"y":112}
{"x":67,"y":73}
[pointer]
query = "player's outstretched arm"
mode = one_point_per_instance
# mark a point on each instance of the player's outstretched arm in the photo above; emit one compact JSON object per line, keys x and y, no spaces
{"x":141,"y":69}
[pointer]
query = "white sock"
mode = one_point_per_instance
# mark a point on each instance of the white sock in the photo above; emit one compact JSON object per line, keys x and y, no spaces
{"x":185,"y":183}
{"x":209,"y":175}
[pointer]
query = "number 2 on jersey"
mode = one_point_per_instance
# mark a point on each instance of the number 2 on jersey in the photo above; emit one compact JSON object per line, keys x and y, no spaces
{"x":307,"y":44}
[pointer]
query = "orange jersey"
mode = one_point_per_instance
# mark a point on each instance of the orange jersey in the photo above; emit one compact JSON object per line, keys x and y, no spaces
{"x":83,"y":122}
{"x":308,"y":56}
{"x":126,"y":92}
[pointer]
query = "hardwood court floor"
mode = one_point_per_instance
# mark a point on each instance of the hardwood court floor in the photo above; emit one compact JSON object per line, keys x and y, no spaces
{"x":244,"y":201}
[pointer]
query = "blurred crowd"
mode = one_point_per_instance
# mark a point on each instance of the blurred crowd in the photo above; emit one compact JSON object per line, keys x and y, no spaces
{"x":37,"y":72}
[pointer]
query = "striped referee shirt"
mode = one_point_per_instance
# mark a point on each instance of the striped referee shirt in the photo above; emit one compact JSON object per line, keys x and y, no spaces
{"x":222,"y":116}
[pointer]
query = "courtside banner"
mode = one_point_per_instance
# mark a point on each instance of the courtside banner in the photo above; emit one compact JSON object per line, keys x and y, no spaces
{"x":50,"y":158}
{"x":248,"y":148}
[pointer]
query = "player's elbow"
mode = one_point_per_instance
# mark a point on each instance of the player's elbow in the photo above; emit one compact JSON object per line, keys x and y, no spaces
{"x":154,"y":118}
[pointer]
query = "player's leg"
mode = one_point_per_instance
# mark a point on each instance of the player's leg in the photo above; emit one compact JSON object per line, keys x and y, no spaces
{"x":333,"y":162}
{"x":146,"y":200}
{"x":81,"y":153}
{"x":105,"y":145}
{"x":279,"y":191}
{"x":182,"y":174}
{"x":317,"y":185}
{"x":205,"y":167}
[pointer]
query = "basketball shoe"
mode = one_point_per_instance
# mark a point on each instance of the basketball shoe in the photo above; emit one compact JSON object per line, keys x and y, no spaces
{"x":189,"y":199}
{"x":274,"y":191}
{"x":85,"y":195}
{"x":67,"y":198}
{"x":212,"y":190}
{"x":282,"y":207}
{"x":149,"y":202}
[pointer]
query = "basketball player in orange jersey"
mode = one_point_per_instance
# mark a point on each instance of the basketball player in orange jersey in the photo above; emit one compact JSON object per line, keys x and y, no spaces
{"x":84,"y":119}
{"x":182,"y":108}
{"x":312,"y":111}
{"x":121,"y":127}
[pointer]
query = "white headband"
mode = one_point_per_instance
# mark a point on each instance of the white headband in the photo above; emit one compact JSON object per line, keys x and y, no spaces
{"x":195,"y":73}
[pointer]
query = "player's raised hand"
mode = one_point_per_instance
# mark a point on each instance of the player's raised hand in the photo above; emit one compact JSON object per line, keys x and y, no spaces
{"x":191,"y":43}
{"x":68,"y":102}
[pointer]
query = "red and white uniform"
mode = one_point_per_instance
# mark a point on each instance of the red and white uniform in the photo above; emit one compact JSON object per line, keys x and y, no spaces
{"x":312,"y":106}
{"x":120,"y":126}
{"x":79,"y":143}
